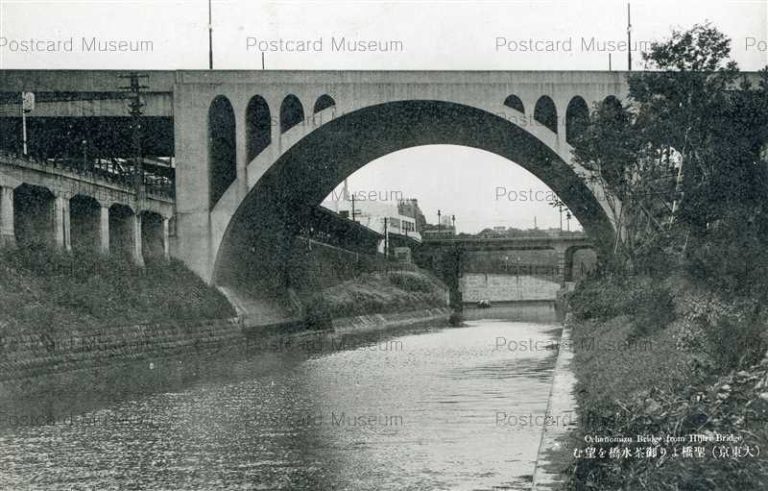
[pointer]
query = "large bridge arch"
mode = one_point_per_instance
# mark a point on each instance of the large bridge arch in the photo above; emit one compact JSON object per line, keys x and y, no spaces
{"x":256,"y":236}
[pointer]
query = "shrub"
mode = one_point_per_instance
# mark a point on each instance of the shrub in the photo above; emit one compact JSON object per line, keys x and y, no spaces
{"x":734,"y":343}
{"x":649,"y":302}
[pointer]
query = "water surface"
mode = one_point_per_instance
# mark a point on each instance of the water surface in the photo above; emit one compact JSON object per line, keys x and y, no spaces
{"x":417,"y":411}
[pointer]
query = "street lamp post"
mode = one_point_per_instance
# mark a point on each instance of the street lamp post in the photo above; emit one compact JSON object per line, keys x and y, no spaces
{"x":85,"y":155}
{"x":210,"y":36}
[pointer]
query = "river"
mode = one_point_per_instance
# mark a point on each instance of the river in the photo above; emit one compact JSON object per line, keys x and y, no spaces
{"x":433,"y":408}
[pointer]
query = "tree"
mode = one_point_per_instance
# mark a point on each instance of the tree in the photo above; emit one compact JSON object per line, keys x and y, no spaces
{"x":683,"y":156}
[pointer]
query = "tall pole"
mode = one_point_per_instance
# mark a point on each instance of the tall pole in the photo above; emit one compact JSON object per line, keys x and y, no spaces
{"x":85,"y":155}
{"x":135,"y":105}
{"x":386,"y":239}
{"x":24,"y":129}
{"x":210,"y":36}
{"x":629,"y":38}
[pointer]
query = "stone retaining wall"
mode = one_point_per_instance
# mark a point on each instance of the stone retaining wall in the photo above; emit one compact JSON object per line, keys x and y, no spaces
{"x":32,"y":355}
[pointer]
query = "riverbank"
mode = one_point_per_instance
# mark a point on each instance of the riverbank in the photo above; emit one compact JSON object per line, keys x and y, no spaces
{"x":43,"y":292}
{"x":672,"y":387}
{"x":373,"y":293}
{"x":63,"y":313}
{"x":554,"y":449}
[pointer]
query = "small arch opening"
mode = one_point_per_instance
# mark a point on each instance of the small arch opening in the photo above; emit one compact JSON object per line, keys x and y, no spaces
{"x":291,"y":113}
{"x":121,"y":223}
{"x":222,"y":156}
{"x":152,"y":246}
{"x":323,"y":102}
{"x":258,"y":125}
{"x":546,"y":113}
{"x":576,"y":119}
{"x":85,"y":223}
{"x":33,"y":215}
{"x":514,"y":102}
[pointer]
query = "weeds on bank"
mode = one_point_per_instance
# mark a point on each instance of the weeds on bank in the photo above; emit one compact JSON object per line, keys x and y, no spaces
{"x":44,"y":291}
{"x":695,"y":364}
{"x":374,"y":293}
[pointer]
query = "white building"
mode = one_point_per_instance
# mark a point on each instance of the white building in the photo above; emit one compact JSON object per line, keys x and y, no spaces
{"x":373,"y":213}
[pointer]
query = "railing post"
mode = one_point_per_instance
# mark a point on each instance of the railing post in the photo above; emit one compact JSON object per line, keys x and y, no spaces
{"x":104,"y":230}
{"x":166,"y":239}
{"x":138,"y":255}
{"x":7,"y":232}
{"x":61,"y":224}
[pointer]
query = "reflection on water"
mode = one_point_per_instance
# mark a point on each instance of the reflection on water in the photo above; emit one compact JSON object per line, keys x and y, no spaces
{"x":427,"y":410}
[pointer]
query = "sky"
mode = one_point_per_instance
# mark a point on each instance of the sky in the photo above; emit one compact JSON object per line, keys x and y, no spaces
{"x":431,"y":35}
{"x":506,"y":195}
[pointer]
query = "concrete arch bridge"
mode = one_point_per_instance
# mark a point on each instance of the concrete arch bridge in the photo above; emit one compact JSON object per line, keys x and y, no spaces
{"x":255,"y":151}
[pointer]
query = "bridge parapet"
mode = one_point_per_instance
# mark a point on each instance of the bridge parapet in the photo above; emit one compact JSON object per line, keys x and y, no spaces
{"x":70,"y":177}
{"x":510,"y":243}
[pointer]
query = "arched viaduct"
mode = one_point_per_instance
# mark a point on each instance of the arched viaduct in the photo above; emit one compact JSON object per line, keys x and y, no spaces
{"x":256,"y":149}
{"x":42,"y":205}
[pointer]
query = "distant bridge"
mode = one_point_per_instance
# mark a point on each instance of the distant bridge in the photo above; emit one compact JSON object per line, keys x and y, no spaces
{"x":511,"y":243}
{"x":434,"y":250}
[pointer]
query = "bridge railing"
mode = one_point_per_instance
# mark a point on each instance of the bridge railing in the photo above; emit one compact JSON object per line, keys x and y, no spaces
{"x":112,"y":171}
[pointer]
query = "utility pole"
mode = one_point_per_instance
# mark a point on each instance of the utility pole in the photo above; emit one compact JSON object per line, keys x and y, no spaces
{"x":24,"y":130}
{"x":353,"y":207}
{"x":27,"y":106}
{"x":386,"y":239}
{"x":135,"y":105}
{"x":85,"y":155}
{"x":210,"y":36}
{"x":453,"y":223}
{"x":629,"y":38}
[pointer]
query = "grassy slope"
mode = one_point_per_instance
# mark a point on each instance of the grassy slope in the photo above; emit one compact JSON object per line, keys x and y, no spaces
{"x":698,"y":374}
{"x":43,"y":292}
{"x":396,"y":291}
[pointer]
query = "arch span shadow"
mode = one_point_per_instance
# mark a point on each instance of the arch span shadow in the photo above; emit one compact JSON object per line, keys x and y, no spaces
{"x":256,"y":244}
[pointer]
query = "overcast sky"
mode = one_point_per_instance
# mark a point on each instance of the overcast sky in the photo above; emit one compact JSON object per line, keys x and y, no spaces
{"x":470,"y":35}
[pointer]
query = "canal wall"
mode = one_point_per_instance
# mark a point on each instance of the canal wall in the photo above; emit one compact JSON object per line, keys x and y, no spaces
{"x":506,"y":288}
{"x":553,"y":457}
{"x":29,"y":356}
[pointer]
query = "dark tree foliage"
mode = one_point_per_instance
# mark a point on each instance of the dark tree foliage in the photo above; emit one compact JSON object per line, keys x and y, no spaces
{"x":686,"y":159}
